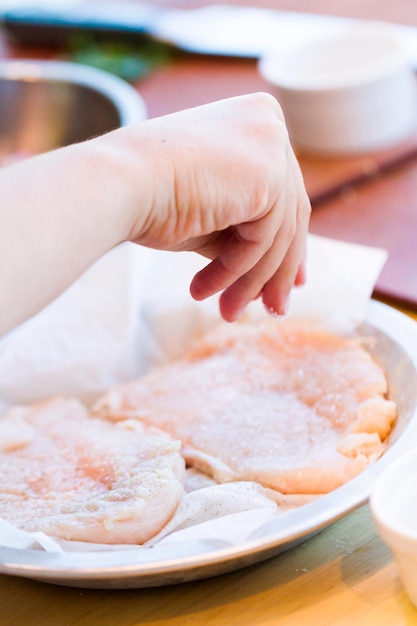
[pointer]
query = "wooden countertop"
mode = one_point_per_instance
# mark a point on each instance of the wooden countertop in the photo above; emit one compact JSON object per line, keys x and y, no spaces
{"x":344,"y":575}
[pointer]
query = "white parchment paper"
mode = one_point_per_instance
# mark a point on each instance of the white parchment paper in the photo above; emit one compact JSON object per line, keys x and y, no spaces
{"x":131,"y":311}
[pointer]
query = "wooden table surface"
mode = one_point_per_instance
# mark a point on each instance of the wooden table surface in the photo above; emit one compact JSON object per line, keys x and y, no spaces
{"x":343,"y":575}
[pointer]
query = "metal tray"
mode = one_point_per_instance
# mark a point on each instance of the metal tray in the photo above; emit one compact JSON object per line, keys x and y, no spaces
{"x":396,"y":349}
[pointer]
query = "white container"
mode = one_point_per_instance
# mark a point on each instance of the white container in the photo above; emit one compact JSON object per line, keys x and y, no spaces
{"x":394,"y":508}
{"x":349,"y":93}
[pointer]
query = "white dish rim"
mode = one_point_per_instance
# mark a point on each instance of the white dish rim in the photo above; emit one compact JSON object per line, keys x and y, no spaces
{"x":158,"y":566}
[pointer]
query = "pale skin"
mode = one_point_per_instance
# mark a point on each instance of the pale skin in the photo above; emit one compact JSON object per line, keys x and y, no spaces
{"x":219,"y":179}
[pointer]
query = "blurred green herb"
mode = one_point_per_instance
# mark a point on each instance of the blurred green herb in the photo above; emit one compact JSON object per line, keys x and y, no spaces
{"x":127,"y":60}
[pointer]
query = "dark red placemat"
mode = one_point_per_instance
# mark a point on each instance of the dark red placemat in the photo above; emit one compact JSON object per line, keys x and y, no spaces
{"x":380,"y":212}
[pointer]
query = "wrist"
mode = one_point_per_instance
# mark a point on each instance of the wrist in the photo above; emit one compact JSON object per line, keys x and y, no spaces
{"x":121,"y":176}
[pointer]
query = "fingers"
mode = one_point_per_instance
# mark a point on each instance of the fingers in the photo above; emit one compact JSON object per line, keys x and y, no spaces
{"x":292,"y":270}
{"x":300,"y":279}
{"x":239,"y":249}
{"x":287,"y":253}
{"x":290,"y":273}
{"x":250,"y":264}
{"x":247,"y":288}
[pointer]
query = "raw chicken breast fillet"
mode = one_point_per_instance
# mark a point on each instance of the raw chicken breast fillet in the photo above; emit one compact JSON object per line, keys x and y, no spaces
{"x":81,"y":478}
{"x":285,"y":404}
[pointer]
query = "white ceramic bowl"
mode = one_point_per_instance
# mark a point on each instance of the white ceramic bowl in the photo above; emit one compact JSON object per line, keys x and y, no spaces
{"x":348,"y":93}
{"x":394,"y":508}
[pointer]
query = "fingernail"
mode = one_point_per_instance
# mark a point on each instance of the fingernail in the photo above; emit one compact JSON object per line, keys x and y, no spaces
{"x":280,"y":312}
{"x":236,"y":315}
{"x":300,"y":278}
{"x":285,"y":307}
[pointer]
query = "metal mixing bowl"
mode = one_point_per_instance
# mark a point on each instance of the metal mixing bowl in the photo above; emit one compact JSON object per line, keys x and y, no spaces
{"x":49,"y":104}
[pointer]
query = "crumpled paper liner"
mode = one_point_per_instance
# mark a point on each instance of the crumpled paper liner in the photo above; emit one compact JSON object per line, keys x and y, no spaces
{"x":131,"y":311}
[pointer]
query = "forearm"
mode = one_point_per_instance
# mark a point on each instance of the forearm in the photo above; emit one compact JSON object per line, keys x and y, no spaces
{"x":59,"y":213}
{"x":220,"y":179}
